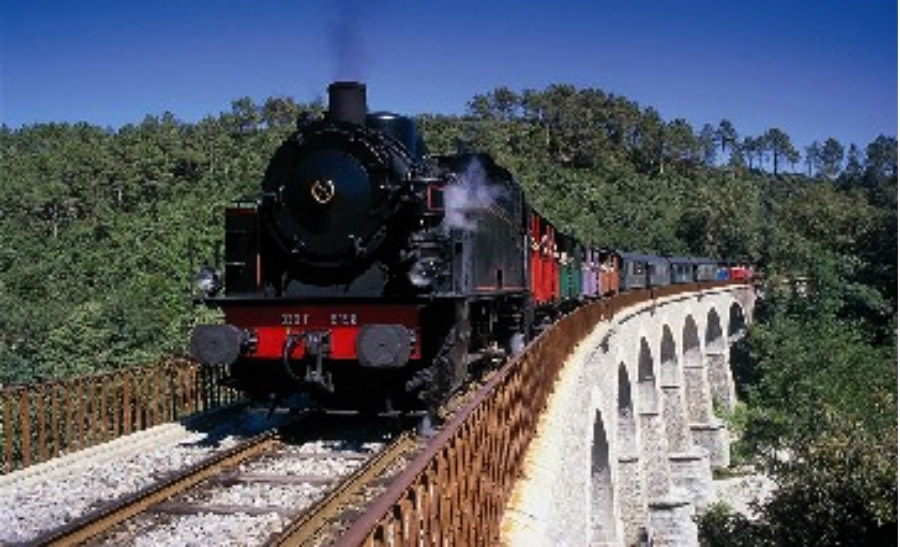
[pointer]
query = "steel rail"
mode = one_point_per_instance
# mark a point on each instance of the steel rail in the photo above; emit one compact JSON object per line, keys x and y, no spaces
{"x":313,"y":521}
{"x":95,"y":523}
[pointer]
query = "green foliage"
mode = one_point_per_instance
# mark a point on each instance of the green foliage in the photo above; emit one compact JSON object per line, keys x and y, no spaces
{"x":719,"y":526}
{"x":97,"y":225}
{"x":819,"y":372}
{"x":837,"y":489}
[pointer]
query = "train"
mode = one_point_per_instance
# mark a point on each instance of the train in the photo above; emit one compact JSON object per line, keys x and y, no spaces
{"x":369,"y":273}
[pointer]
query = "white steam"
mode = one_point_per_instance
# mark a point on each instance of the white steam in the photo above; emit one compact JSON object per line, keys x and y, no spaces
{"x":466,"y":199}
{"x":471,"y":193}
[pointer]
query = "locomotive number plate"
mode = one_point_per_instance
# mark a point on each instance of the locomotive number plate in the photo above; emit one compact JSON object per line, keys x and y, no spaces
{"x":343,"y":319}
{"x":294,"y":319}
{"x":304,"y":319}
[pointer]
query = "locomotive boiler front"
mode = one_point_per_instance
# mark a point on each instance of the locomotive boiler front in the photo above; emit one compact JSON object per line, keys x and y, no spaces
{"x":333,"y":192}
{"x":317,"y":289}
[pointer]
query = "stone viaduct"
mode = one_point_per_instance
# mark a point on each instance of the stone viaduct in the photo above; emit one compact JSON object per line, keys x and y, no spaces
{"x":625,"y":450}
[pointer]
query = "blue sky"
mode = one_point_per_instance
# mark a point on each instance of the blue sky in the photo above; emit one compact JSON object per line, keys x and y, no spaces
{"x":813,"y":68}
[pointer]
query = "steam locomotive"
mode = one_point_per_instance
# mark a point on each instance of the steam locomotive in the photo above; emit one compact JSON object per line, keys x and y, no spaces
{"x":373,"y":274}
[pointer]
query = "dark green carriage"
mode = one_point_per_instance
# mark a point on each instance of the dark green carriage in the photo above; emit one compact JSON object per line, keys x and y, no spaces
{"x":571,"y":257}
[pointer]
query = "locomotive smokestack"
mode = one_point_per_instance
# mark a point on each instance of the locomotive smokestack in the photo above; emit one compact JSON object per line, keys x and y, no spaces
{"x":347,"y":102}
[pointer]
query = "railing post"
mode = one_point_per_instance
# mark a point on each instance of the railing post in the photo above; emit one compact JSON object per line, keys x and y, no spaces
{"x":25,"y":425}
{"x":42,"y":425}
{"x":8,"y":430}
{"x":126,"y":405}
{"x":104,"y":424}
{"x":55,"y":431}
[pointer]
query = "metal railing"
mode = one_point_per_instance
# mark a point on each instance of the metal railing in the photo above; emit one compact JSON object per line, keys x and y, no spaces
{"x":45,"y":420}
{"x":455,"y":491}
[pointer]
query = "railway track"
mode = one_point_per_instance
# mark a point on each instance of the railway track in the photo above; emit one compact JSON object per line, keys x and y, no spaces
{"x":455,"y":486}
{"x":192,"y":500}
{"x":282,"y":487}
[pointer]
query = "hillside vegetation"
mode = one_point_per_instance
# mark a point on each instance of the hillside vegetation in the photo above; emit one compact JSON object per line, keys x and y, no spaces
{"x":98,"y":227}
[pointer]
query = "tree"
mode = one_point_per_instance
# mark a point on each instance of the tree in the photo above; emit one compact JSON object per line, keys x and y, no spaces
{"x":753,"y":148}
{"x":279,"y":113}
{"x":779,"y":144}
{"x":708,"y":144}
{"x":680,"y":145}
{"x":881,"y":159}
{"x":480,"y":107}
{"x":649,"y":152}
{"x":832,"y":156}
{"x":853,"y":171}
{"x":505,"y":102}
{"x":246,"y":115}
{"x":727,"y":135}
{"x":813,"y":159}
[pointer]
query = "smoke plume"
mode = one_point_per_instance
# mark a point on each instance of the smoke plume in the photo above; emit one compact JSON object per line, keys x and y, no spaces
{"x":347,"y":43}
{"x":472,"y":192}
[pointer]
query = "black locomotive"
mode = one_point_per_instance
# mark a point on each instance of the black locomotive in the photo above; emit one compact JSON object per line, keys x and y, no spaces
{"x":366,"y":270}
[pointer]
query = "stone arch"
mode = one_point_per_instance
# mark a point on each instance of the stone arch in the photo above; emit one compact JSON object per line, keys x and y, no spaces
{"x":713,"y":337}
{"x":690,"y":342}
{"x":629,"y":493}
{"x":647,"y":400}
{"x":668,"y":360}
{"x":627,"y":436}
{"x":737,"y":324}
{"x":674,"y":413}
{"x":721,"y":384}
{"x":602,"y":515}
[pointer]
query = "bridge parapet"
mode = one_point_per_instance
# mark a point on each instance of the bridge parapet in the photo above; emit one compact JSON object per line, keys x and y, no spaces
{"x":653,"y":374}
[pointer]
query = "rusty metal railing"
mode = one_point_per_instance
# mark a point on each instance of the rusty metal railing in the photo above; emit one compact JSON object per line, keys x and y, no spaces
{"x":45,"y":420}
{"x":455,"y":491}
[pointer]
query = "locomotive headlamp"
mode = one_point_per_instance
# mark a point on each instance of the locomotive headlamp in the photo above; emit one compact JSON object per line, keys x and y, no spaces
{"x":209,"y":280}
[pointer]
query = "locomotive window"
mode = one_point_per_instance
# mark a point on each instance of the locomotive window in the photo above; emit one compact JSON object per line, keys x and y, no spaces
{"x":435,"y":198}
{"x":637,"y":268}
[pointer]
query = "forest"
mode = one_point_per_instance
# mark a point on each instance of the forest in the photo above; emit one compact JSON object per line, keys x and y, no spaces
{"x":100,"y":228}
